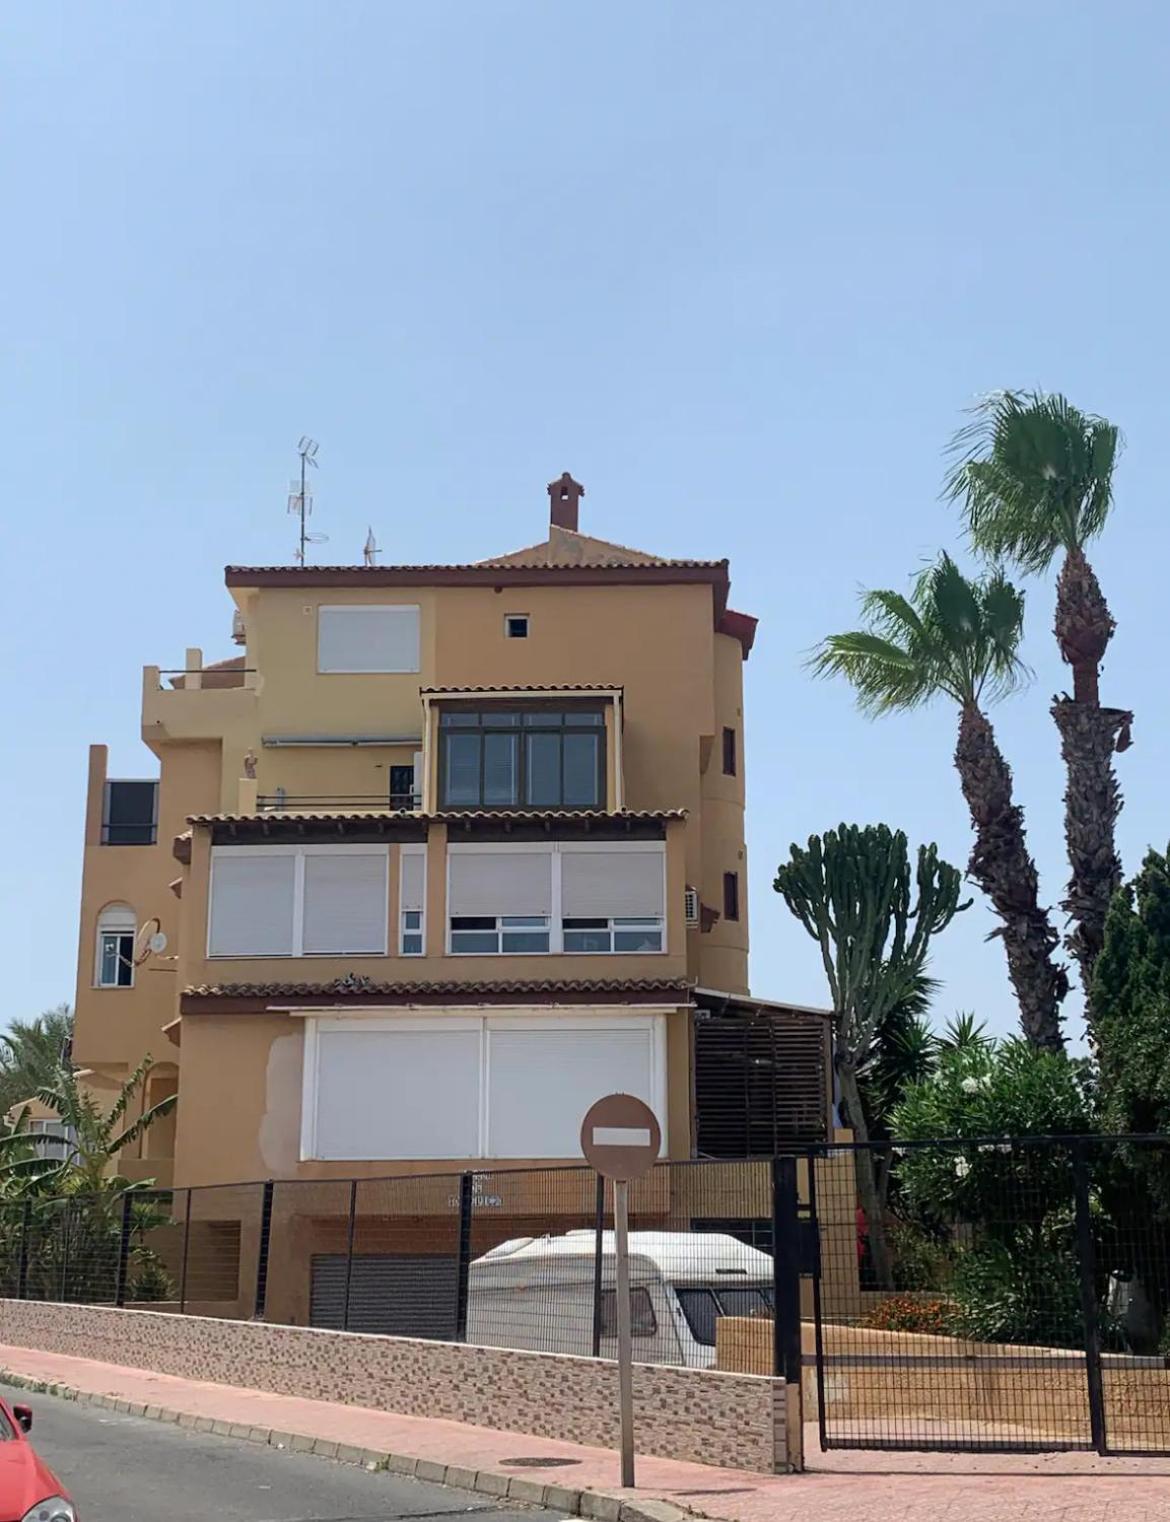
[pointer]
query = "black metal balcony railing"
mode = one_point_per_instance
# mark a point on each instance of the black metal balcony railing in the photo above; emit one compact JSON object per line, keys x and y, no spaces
{"x":313,"y":803}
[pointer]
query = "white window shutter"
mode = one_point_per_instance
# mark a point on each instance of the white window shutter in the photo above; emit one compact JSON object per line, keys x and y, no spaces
{"x":251,"y":904}
{"x":412,"y":891}
{"x":618,"y":884}
{"x":367,"y":638}
{"x":345,"y":902}
{"x":500,"y":882}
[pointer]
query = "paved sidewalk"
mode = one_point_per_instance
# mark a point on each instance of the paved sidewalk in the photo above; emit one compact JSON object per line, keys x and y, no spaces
{"x":840,"y":1487}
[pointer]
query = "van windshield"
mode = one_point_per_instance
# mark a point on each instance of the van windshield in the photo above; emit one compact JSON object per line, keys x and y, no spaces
{"x":703,"y":1306}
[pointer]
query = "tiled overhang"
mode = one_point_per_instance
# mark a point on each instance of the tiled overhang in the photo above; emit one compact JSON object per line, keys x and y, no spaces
{"x":358,"y":992}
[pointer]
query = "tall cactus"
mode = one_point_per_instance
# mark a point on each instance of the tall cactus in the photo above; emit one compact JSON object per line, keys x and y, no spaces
{"x":855,"y":894}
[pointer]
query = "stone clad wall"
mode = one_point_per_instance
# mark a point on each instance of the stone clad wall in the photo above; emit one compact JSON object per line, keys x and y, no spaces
{"x":733,"y":1420}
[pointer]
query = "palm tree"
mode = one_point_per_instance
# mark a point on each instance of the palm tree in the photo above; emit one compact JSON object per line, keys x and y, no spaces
{"x":960,"y":639}
{"x":31,"y":1053}
{"x":100,"y":1135}
{"x":1035,"y":477}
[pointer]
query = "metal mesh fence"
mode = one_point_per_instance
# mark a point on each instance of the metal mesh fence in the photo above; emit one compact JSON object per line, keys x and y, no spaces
{"x":1010,"y":1295}
{"x":1007,"y":1295}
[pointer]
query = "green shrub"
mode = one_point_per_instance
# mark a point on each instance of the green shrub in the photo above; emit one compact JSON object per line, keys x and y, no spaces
{"x":1003,"y":1293}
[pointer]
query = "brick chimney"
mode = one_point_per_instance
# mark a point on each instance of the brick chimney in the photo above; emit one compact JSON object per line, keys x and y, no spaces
{"x":564,"y":496}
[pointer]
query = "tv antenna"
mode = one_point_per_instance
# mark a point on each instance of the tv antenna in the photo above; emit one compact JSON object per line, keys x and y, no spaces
{"x":300,"y":497}
{"x":371,"y":548}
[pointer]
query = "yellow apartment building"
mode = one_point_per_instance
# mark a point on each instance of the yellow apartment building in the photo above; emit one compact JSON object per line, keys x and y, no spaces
{"x":440,"y":856}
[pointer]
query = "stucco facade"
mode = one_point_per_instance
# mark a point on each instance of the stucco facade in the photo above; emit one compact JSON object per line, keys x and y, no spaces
{"x":266,"y":756}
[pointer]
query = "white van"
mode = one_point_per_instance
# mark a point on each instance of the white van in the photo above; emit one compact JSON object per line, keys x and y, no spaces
{"x":537,"y":1292}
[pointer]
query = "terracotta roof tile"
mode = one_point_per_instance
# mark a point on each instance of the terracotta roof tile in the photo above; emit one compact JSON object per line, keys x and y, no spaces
{"x":449,"y":816}
{"x":359,"y":987}
{"x":509,"y":688}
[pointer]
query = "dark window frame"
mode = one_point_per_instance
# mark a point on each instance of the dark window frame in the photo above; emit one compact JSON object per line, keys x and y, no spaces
{"x":402,"y":797}
{"x":730,"y":751}
{"x":555,"y":726}
{"x":731,"y":896}
{"x":141,"y":832}
{"x":516,"y":618}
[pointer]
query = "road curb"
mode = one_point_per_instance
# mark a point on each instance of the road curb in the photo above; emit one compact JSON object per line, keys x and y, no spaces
{"x":600,"y":1505}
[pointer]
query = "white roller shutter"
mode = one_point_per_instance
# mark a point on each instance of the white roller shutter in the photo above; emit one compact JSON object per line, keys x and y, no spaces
{"x":251,"y":912}
{"x":367,"y":638}
{"x":345,"y":902}
{"x":618,"y":884}
{"x":388,"y":1094}
{"x":541,"y":1083}
{"x":413,"y":889}
{"x":500,"y":882}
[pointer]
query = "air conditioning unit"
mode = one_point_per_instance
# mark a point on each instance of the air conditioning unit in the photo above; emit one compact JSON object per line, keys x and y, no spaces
{"x":691,"y":900}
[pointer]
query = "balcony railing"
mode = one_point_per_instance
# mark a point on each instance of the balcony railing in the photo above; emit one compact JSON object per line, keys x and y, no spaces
{"x":340,"y":803}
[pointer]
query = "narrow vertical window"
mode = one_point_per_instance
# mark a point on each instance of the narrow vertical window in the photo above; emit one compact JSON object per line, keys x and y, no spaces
{"x":729,"y":758}
{"x":731,"y":895}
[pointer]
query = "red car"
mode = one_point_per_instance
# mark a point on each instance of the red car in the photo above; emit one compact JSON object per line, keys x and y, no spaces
{"x":29,"y":1490}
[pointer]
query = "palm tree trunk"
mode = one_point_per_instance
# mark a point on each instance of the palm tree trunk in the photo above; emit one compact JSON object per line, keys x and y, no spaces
{"x":1001,"y":865}
{"x":1089,"y":736}
{"x":865,"y":1164}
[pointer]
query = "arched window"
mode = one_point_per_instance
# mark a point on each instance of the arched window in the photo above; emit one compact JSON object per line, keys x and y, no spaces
{"x":115,"y":947}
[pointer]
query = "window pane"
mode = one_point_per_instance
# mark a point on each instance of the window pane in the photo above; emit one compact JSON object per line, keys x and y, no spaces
{"x":525,"y":940}
{"x":473,"y":922}
{"x":524,"y":922}
{"x":543,"y":767}
{"x":125,"y":961}
{"x":108,"y":975}
{"x":586,"y":940}
{"x":412,"y":945}
{"x":129,"y":817}
{"x":581,"y":779}
{"x":590,"y":718}
{"x":464,"y":942}
{"x":500,"y":720}
{"x":501,"y":756}
{"x":643,"y":1322}
{"x":412,"y":919}
{"x":637,"y":940}
{"x":743,"y":1302}
{"x":698,"y":1306}
{"x":588,"y":924}
{"x":461,"y":768}
{"x":457,"y":720}
{"x":539,"y":719}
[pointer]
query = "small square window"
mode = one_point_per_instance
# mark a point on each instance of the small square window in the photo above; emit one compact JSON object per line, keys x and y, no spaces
{"x":516,"y":625}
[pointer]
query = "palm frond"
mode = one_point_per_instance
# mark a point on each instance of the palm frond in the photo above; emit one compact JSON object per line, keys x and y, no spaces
{"x":884,"y":675}
{"x":1034,"y":475}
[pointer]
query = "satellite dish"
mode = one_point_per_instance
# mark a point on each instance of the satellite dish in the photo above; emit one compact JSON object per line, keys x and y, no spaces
{"x":150,"y":941}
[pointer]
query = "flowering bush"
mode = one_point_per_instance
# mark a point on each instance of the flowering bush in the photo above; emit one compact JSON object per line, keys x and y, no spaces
{"x":906,"y":1313}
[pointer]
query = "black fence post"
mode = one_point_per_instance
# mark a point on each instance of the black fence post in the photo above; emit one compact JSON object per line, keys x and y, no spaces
{"x":353,"y":1183}
{"x":262,"y":1258}
{"x":1087,"y":1268}
{"x":64,"y":1230}
{"x":463,"y":1273}
{"x":22,"y":1270}
{"x":598,"y":1240}
{"x":186,"y":1254}
{"x":123,"y":1252}
{"x":785,"y":1271}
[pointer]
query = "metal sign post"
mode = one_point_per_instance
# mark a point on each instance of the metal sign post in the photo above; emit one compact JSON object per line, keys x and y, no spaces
{"x":621,"y":1137}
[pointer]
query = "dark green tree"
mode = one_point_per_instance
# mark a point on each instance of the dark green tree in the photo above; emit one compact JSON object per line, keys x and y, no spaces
{"x":1035,"y":477}
{"x":874,"y":918}
{"x":1129,"y":1018}
{"x":31,"y":1054}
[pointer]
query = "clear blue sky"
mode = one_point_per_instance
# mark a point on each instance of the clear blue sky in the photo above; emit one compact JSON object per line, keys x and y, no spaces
{"x":738,"y":267}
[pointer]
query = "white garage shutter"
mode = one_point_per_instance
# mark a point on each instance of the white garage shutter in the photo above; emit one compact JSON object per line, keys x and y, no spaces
{"x":251,"y":911}
{"x":345,"y":902}
{"x":367,"y":638}
{"x":618,"y":884}
{"x":542,"y":1082}
{"x":388,"y":1094}
{"x":500,"y":882}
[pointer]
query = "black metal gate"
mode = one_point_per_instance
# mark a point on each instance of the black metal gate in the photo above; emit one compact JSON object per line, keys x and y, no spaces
{"x":1031,"y":1315}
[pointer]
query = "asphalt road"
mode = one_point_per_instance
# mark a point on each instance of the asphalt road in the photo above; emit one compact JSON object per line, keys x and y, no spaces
{"x":126,"y":1469}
